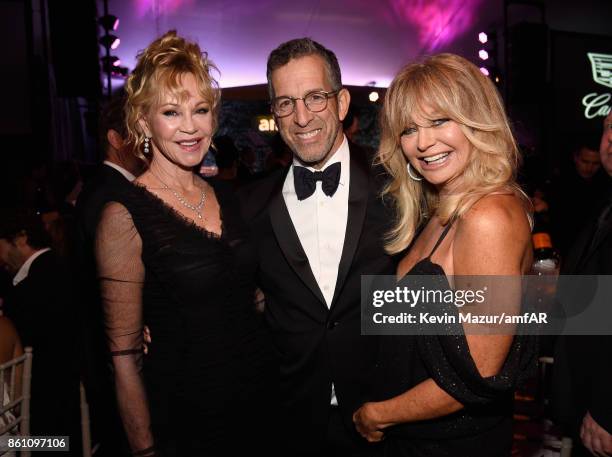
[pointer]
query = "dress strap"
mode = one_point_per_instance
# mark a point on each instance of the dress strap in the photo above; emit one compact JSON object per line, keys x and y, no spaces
{"x":442,"y":236}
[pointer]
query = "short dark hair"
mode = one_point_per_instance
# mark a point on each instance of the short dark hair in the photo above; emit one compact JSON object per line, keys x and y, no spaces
{"x":112,"y":116}
{"x":302,"y":47}
{"x":15,"y":221}
{"x":582,"y":141}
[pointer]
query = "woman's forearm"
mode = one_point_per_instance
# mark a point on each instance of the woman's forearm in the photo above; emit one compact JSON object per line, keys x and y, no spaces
{"x":133,"y":405}
{"x":424,"y":401}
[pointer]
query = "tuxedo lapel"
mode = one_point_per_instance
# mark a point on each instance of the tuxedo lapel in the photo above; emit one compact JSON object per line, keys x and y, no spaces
{"x":587,"y":242}
{"x":290,"y":244}
{"x":357,"y":205}
{"x":599,"y":237}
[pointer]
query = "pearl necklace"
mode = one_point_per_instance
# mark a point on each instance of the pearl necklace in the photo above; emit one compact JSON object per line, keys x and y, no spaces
{"x":196,"y":208}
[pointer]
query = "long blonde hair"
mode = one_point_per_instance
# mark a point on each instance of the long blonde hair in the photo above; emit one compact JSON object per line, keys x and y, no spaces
{"x":453,"y":88}
{"x":158,"y":72}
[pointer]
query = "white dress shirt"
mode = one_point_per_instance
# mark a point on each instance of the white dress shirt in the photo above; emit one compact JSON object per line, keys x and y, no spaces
{"x":320,"y":222}
{"x":23,"y":272}
{"x":126,"y":174}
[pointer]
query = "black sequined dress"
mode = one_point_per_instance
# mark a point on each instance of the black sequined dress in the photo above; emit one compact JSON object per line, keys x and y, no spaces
{"x":483,"y":428}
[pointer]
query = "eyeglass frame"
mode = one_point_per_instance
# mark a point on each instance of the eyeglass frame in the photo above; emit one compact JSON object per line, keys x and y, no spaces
{"x":328,"y":95}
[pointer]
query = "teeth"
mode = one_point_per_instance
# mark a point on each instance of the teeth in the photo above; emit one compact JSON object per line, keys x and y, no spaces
{"x":309,"y":134}
{"x":436,"y":157}
{"x":187,"y":143}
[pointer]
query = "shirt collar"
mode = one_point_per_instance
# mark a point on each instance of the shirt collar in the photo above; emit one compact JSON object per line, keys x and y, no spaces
{"x":127,"y":175}
{"x":23,"y":272}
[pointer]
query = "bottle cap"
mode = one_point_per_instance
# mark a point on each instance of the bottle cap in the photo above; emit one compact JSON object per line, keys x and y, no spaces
{"x":541,"y":240}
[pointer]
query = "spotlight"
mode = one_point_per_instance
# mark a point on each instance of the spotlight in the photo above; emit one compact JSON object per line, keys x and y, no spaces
{"x":484,"y":71}
{"x":484,"y":55}
{"x":373,"y":96}
{"x":109,"y":62}
{"x":109,"y":22}
{"x":110,"y":41}
{"x":482,"y":37}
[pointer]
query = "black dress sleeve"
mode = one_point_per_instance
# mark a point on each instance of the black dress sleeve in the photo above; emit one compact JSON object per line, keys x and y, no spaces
{"x":121,"y":274}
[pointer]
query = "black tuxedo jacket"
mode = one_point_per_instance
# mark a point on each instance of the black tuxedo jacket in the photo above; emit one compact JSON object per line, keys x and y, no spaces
{"x":42,"y":308}
{"x":583,"y":364}
{"x":97,"y":191}
{"x":317,"y":345}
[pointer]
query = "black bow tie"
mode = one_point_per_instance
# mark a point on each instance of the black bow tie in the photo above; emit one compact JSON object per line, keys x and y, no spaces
{"x":305,"y":181}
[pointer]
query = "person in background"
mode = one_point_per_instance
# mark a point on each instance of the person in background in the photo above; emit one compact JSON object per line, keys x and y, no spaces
{"x":575,"y":194}
{"x":41,"y":304}
{"x":226,"y":156}
{"x":582,"y":398}
{"x":10,"y":348}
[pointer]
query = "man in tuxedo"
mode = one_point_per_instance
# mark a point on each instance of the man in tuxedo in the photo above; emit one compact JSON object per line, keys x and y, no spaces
{"x":119,"y":168}
{"x":319,"y":225}
{"x":41,"y":304}
{"x":583,"y":369}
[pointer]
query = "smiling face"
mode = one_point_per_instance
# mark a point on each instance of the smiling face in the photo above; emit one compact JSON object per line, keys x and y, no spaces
{"x":437,"y":149}
{"x":313,"y":137}
{"x":180,"y":127}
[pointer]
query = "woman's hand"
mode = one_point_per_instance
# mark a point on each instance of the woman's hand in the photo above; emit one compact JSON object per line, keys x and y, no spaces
{"x":594,"y":437}
{"x":368,"y":423}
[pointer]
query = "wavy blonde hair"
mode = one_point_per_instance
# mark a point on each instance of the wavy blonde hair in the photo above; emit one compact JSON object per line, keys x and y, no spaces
{"x":158,"y":72}
{"x":453,"y":88}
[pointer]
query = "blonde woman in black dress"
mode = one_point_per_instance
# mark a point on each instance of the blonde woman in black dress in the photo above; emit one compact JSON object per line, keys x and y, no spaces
{"x":447,"y":145}
{"x":174,"y":255}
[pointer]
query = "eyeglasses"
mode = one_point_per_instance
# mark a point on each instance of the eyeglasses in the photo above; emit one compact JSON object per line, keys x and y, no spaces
{"x":315,"y":101}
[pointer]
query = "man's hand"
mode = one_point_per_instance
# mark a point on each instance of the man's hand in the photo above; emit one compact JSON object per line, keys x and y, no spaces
{"x":367,"y":422}
{"x":595,"y":438}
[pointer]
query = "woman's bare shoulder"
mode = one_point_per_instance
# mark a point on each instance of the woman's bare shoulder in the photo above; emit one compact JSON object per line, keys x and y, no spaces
{"x":503,"y":213}
{"x":492,"y":236}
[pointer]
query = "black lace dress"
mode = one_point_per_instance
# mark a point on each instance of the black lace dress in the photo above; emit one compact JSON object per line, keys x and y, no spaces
{"x":483,"y":428}
{"x":209,"y":375}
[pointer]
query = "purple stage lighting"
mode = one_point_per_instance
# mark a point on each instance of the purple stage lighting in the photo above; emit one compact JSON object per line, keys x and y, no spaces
{"x":484,"y":55}
{"x":239,"y":34}
{"x":439,"y":22}
{"x":482,"y":37}
{"x":484,"y":71}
